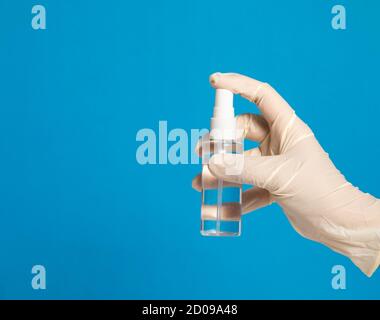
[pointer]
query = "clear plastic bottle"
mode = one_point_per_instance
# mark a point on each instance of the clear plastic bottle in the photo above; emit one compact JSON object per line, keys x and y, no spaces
{"x":221,"y":201}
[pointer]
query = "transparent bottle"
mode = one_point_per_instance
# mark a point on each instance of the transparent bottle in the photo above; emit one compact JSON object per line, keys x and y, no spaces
{"x":221,"y":201}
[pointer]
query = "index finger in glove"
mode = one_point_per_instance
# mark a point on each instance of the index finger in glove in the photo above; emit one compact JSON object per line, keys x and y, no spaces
{"x":270,"y":103}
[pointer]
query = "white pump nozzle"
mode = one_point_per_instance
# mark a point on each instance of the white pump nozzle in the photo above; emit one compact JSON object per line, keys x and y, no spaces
{"x":223,"y":123}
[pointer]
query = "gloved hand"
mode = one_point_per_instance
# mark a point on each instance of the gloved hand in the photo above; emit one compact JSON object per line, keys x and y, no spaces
{"x":291,"y":168}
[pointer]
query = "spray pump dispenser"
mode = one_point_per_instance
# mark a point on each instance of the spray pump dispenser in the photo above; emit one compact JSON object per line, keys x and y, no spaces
{"x":223,"y":122}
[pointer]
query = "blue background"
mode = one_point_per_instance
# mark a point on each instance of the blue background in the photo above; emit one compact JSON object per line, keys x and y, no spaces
{"x":72,"y":98}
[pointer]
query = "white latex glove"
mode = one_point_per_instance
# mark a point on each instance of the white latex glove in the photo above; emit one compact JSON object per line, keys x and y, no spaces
{"x":291,"y":168}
